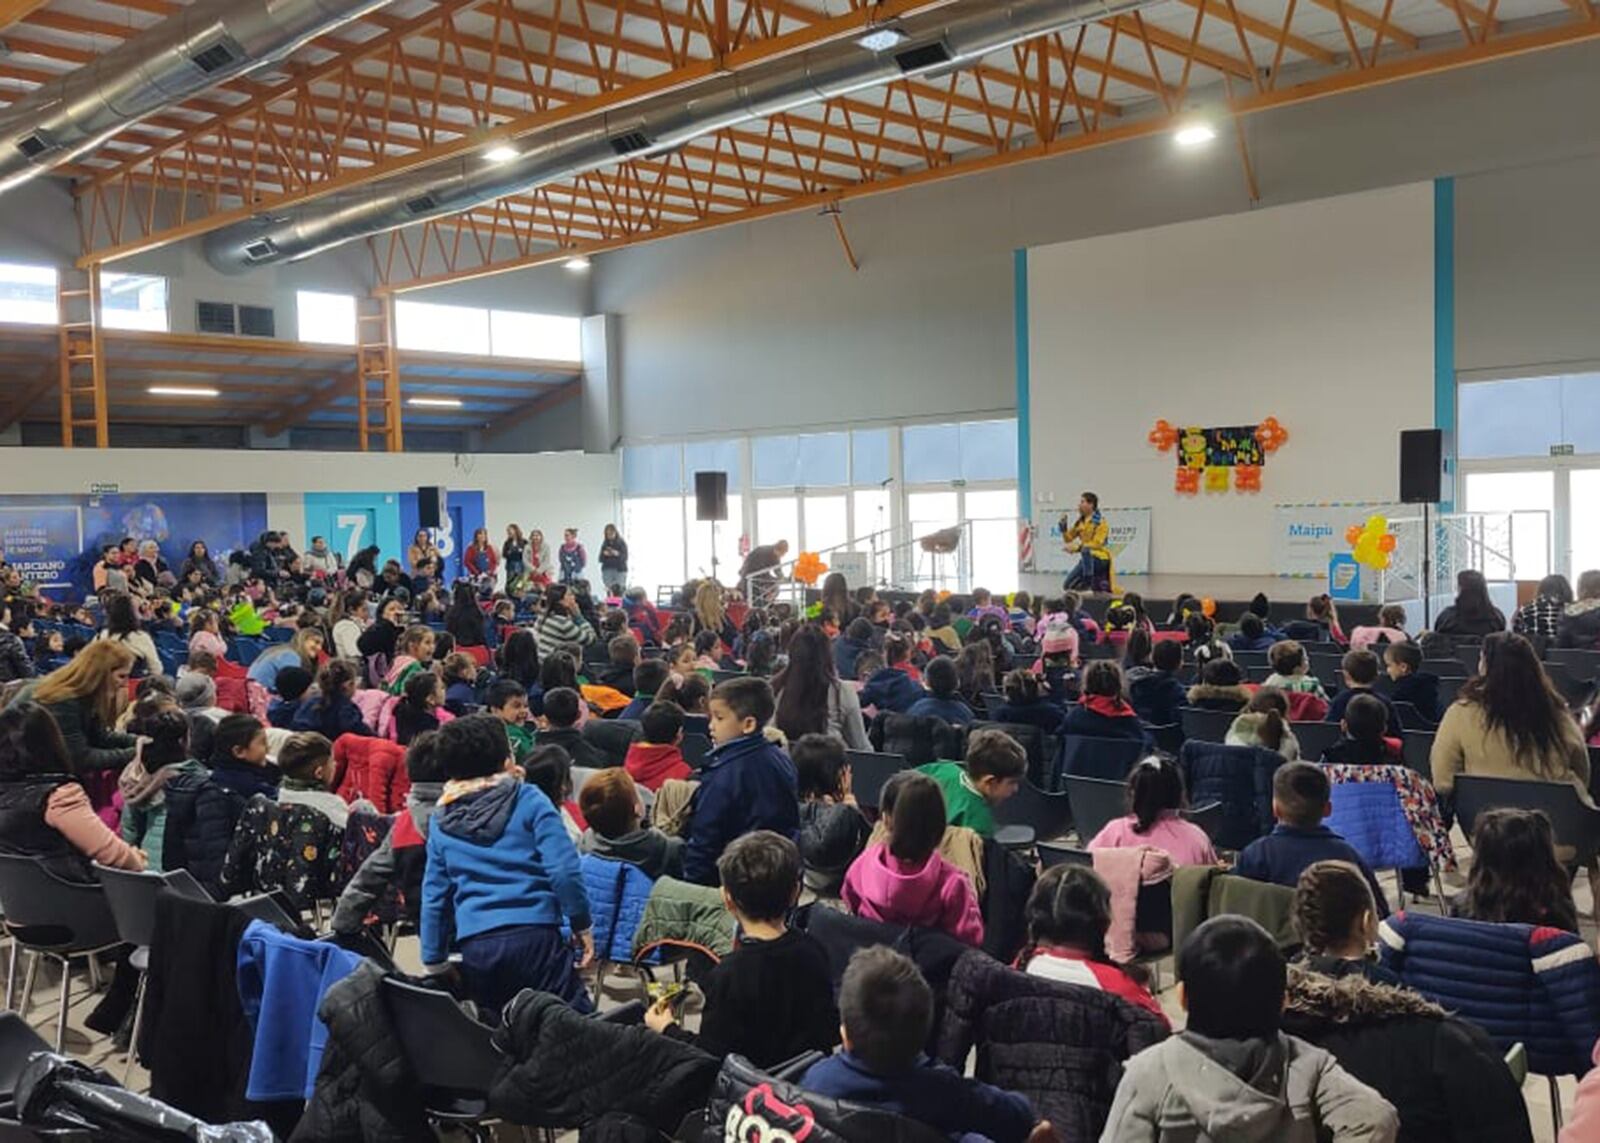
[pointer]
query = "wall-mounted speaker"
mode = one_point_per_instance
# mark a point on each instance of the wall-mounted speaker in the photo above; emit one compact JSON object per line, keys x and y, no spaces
{"x":430,"y":507}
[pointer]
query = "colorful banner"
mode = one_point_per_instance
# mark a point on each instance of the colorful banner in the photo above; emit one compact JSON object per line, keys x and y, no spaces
{"x":1305,"y":536}
{"x":63,"y":534}
{"x":42,"y":543}
{"x":1129,"y":542}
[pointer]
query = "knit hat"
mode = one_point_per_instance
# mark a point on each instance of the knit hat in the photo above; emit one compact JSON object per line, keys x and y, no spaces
{"x":293,"y":682}
{"x":196,"y":691}
{"x":1059,"y":634}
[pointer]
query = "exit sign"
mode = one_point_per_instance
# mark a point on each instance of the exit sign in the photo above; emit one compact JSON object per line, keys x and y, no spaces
{"x":1561,"y":450}
{"x":104,"y":489}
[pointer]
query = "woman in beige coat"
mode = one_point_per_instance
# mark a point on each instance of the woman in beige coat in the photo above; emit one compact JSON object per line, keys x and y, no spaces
{"x":1509,"y":722}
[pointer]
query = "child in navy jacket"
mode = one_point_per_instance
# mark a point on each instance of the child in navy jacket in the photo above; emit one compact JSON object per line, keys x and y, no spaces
{"x":1103,"y":712}
{"x":1300,"y":800}
{"x":747,"y":784}
{"x":941,"y":700}
{"x":1158,"y":695}
{"x":1360,"y":670}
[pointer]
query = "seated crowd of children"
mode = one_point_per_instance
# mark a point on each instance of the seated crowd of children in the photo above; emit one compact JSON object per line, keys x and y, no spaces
{"x":511,"y":795}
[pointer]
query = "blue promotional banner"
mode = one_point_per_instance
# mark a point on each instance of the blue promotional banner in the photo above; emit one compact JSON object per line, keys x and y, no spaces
{"x":63,"y":534}
{"x":42,"y":543}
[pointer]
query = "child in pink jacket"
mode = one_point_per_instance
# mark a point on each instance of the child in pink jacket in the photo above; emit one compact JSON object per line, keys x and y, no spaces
{"x":905,"y":881}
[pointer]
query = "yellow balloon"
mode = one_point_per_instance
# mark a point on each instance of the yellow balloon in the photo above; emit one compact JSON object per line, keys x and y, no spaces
{"x":1378,"y":524}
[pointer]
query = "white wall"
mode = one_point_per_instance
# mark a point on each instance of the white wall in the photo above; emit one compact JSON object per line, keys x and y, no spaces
{"x":1320,"y":314}
{"x":547,"y":490}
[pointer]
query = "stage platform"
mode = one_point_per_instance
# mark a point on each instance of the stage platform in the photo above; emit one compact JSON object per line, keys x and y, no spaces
{"x":1232,"y":593}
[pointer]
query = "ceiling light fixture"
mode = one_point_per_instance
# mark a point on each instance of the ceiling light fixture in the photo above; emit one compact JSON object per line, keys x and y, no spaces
{"x":501,"y":153}
{"x":577,"y":263}
{"x":1194,"y":135}
{"x":882,"y":38}
{"x":434,"y":403}
{"x":183,"y":391}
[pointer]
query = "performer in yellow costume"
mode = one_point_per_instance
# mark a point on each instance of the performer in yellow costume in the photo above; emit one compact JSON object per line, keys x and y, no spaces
{"x":1089,"y":535}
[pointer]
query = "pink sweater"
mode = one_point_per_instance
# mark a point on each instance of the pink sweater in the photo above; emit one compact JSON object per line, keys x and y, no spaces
{"x":68,"y":812}
{"x":209,"y":641}
{"x":1185,"y":842}
{"x":935,"y":895}
{"x":1584,"y":1124}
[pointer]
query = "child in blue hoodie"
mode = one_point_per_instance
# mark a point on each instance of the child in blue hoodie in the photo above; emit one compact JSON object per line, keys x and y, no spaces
{"x":747,"y":784}
{"x":892,"y":687}
{"x":886,"y":1011}
{"x":501,"y":875}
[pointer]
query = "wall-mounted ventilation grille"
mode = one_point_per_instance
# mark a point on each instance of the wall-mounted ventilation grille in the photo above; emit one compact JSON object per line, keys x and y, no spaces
{"x":32,"y":146}
{"x":421,"y":204}
{"x":260,"y":248}
{"x":217,"y":56}
{"x":214,"y":317}
{"x":629,"y":142}
{"x":257,"y":321}
{"x":923,"y":55}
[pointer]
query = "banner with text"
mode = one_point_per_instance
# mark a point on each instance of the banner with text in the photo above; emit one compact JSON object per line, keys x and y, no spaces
{"x":1304,"y":536}
{"x":1129,"y":542}
{"x":42,"y":543}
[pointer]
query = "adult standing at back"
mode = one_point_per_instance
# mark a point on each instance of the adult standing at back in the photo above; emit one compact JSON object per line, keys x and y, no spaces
{"x":122,"y":626}
{"x":514,"y":554}
{"x":812,"y":699}
{"x":1473,"y":612}
{"x":758,"y":575}
{"x":1509,"y":722}
{"x":614,"y":561}
{"x":480,"y":559}
{"x":422,"y":557}
{"x":540,"y":562}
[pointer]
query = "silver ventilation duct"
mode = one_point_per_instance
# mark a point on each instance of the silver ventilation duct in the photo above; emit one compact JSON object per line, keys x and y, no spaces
{"x":649,"y":127}
{"x":194,"y":49}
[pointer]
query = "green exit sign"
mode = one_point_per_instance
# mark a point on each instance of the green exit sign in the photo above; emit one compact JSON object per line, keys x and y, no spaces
{"x":1562,"y":450}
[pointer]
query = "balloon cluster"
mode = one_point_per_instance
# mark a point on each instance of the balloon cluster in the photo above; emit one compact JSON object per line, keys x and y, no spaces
{"x":809,"y":568}
{"x":1163,"y":436}
{"x":1270,"y":434}
{"x":1371,"y":544}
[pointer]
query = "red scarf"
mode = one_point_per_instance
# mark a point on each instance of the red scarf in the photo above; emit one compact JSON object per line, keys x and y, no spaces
{"x":1108,"y":707}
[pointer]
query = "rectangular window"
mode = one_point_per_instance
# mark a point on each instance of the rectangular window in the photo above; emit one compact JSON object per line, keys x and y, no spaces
{"x":778,"y":518}
{"x":328,"y":319}
{"x":775,"y":460}
{"x":713,"y":456}
{"x":699,"y":553}
{"x":28,"y":294}
{"x":869,"y":457}
{"x":133,"y":301}
{"x":654,"y":529}
{"x":652,"y":470}
{"x":441,"y":329}
{"x":543,"y":337}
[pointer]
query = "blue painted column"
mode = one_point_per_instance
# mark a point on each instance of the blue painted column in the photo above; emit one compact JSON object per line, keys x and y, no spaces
{"x":1019,"y":304}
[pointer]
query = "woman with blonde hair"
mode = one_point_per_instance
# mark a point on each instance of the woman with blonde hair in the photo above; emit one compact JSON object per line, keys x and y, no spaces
{"x":304,"y":650}
{"x":710,"y":615}
{"x":85,"y":697}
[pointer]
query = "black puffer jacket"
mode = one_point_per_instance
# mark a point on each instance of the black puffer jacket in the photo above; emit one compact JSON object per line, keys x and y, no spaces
{"x":564,"y":1069}
{"x":15,"y":662}
{"x":366,"y":1091}
{"x":1442,"y":1074}
{"x":201,"y":817}
{"x":1061,"y":1045}
{"x":1580,"y":625}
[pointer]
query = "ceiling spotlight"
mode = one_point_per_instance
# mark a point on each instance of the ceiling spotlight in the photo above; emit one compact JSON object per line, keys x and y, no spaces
{"x":577,"y":263}
{"x":1194,"y":135}
{"x":501,"y":153}
{"x":434,"y":403}
{"x":882,"y":38}
{"x":183,"y":391}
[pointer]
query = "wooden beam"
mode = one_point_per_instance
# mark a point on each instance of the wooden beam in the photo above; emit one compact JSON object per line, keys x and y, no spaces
{"x":13,"y":11}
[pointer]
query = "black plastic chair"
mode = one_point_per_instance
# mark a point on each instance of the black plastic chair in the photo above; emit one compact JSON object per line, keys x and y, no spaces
{"x":1208,"y":817}
{"x":1576,"y":825}
{"x":1416,"y":750}
{"x":1047,"y":815}
{"x":694,"y":749}
{"x":1083,"y":756}
{"x":1315,"y":737}
{"x":1329,"y":669}
{"x":56,"y":920}
{"x":1094,"y":803}
{"x":1168,"y":737}
{"x":1053,"y":853}
{"x":612,"y":737}
{"x":1448,"y":689}
{"x":869,"y":772}
{"x":1252,"y":660}
{"x":452,"y":1055}
{"x":1206,"y":725}
{"x":132,"y":899}
{"x":1030,"y":738}
{"x":1410,"y":717}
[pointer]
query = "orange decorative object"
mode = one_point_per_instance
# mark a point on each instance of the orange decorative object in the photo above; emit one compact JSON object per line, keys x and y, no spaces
{"x":1216,"y":478}
{"x":1247,"y":478}
{"x":1386,"y":542}
{"x":1188,"y":481}
{"x":1352,"y":535}
{"x":1163,"y":436}
{"x":1271,"y":434}
{"x":1208,"y":608}
{"x":809,"y":568}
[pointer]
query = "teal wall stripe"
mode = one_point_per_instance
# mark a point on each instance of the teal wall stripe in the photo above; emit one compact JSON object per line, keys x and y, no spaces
{"x":1444,"y":329}
{"x":1019,"y":303}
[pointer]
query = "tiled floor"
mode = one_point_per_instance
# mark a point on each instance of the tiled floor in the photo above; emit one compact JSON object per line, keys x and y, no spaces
{"x":98,"y":1050}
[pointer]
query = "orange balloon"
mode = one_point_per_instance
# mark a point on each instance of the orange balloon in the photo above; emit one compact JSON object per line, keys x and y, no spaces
{"x":1386,"y":542}
{"x":1208,"y":608}
{"x":1352,"y":534}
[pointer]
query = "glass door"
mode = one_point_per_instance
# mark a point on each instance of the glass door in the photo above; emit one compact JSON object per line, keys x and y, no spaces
{"x":1526,"y":495}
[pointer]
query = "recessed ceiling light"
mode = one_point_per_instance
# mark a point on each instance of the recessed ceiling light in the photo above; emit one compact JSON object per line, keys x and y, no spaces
{"x":434,"y":402}
{"x":577,"y":263}
{"x":183,"y":391}
{"x":1194,"y":135}
{"x":501,"y":153}
{"x":881,"y":39}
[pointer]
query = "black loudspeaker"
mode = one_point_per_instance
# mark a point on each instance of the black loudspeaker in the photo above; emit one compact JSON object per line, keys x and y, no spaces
{"x":1421,"y":465}
{"x":710,"y":496}
{"x":430,"y":507}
